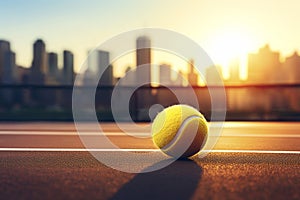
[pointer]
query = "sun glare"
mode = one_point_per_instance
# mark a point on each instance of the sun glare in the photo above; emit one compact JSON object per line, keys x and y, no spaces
{"x":229,"y":45}
{"x":225,"y":47}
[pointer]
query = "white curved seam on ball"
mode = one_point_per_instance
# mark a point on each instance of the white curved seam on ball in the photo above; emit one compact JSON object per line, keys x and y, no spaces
{"x":177,"y":135}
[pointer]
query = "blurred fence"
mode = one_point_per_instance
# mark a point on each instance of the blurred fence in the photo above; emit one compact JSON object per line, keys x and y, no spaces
{"x":251,"y":102}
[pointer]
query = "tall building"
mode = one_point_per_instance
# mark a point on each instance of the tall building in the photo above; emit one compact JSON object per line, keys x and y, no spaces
{"x":192,"y":75}
{"x":4,"y":48}
{"x":99,"y":65}
{"x":165,"y":71}
{"x":264,"y":66}
{"x":39,"y":67}
{"x":143,"y":58}
{"x":9,"y":68}
{"x":214,"y":75}
{"x":234,"y":71}
{"x":52,"y":64}
{"x":8,"y":77}
{"x":180,"y":79}
{"x":53,"y":72}
{"x":105,"y":68}
{"x":68,"y":67}
{"x":291,"y":66}
{"x":143,"y":77}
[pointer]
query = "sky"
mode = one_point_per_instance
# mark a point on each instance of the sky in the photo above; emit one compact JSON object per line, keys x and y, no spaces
{"x":225,"y":29}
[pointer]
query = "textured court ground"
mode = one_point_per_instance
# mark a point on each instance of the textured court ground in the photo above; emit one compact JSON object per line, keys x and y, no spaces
{"x":250,"y":161}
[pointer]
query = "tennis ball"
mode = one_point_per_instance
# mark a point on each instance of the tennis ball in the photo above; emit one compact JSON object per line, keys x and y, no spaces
{"x":179,"y":131}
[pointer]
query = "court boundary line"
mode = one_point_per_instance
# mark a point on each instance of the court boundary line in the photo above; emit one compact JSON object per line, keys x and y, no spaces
{"x":138,"y":150}
{"x":137,"y":134}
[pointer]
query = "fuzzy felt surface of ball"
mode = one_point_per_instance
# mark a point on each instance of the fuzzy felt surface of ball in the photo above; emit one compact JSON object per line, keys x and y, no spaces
{"x":180,"y":131}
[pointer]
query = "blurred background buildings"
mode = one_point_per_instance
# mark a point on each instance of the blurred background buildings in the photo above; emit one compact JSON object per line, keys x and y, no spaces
{"x":271,"y":90}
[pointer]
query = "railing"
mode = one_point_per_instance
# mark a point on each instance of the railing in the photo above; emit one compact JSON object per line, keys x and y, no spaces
{"x":247,"y":102}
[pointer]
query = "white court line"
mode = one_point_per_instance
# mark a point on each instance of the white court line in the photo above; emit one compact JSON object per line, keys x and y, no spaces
{"x":94,"y":133}
{"x":64,"y":133}
{"x":253,"y":151}
{"x":140,"y":150}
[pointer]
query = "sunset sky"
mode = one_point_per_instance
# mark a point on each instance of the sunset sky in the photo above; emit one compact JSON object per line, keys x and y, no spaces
{"x":225,"y":29}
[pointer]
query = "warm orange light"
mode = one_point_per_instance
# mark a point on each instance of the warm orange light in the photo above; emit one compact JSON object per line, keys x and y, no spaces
{"x":228,"y":45}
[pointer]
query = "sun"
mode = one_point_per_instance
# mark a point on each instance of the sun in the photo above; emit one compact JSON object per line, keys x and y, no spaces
{"x":228,"y":45}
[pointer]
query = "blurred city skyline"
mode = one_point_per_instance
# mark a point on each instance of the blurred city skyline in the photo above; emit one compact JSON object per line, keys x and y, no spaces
{"x":263,"y":67}
{"x":49,"y":41}
{"x":225,"y":29}
{"x":44,"y":91}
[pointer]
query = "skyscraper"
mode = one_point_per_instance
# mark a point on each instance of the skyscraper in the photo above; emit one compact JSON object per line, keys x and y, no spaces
{"x":4,"y":48}
{"x":39,"y":64}
{"x":39,"y":57}
{"x":8,"y":77}
{"x":192,"y":75}
{"x":291,"y":67}
{"x":99,"y":65}
{"x":53,"y":77}
{"x":165,"y":75}
{"x":214,"y":75}
{"x":105,"y":68}
{"x":143,"y":76}
{"x":68,"y":68}
{"x":180,"y":79}
{"x":9,"y":69}
{"x":52,"y":64}
{"x":143,"y":58}
{"x":234,"y":72}
{"x":264,"y":66}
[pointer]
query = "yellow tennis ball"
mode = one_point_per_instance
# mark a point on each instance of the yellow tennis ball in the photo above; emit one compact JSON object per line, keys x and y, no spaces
{"x":180,"y":131}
